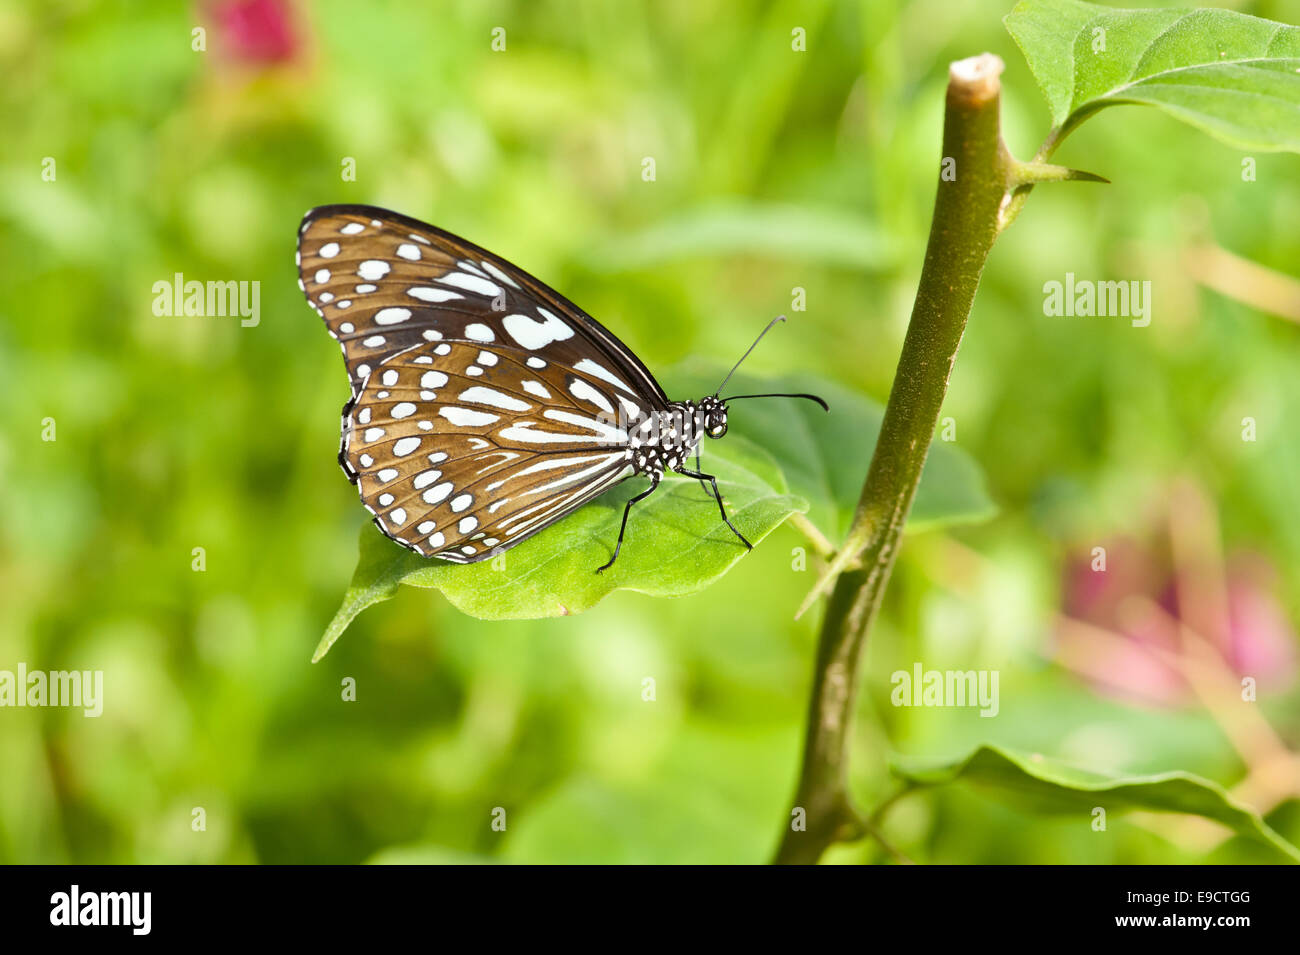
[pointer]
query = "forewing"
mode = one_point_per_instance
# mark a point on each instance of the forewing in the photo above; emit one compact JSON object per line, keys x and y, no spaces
{"x":463,"y":449}
{"x":384,"y":282}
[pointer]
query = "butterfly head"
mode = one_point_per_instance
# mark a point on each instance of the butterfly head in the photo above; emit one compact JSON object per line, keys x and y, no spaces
{"x":713,"y":416}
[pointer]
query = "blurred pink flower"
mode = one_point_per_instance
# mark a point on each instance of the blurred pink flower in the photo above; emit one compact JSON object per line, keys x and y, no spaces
{"x":1261,"y":641}
{"x":1131,"y":641}
{"x":260,"y":32}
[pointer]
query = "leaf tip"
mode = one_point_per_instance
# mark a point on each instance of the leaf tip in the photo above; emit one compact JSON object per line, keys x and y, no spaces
{"x":323,"y":647}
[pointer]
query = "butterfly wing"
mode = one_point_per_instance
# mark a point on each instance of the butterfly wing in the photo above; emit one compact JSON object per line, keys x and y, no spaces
{"x":463,"y":451}
{"x":384,"y":282}
{"x":486,"y":406}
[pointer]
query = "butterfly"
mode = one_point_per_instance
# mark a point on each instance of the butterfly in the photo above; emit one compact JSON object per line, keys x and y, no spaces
{"x":485,"y":405}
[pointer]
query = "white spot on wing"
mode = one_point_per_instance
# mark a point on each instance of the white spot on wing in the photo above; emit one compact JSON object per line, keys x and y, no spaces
{"x":600,"y":371}
{"x":482,"y":395}
{"x":526,"y":432}
{"x":425,"y":294}
{"x":466,"y":418}
{"x":583,"y":391}
{"x":471,"y":283}
{"x":437,"y":494}
{"x":500,"y":276}
{"x":534,"y":335}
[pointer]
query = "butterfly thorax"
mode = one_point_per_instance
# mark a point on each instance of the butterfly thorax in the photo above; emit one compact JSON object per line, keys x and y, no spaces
{"x":665,"y":440}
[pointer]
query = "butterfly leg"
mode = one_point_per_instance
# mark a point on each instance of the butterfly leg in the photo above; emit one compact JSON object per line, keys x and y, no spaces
{"x":343,"y":440}
{"x":713,"y":482}
{"x":654,"y":483}
{"x":707,"y":493}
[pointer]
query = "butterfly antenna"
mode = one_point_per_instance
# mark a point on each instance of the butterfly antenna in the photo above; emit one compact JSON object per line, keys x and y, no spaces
{"x":783,"y":394}
{"x":779,"y":318}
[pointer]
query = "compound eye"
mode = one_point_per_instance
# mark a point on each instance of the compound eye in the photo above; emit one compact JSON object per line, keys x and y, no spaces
{"x":716,"y":428}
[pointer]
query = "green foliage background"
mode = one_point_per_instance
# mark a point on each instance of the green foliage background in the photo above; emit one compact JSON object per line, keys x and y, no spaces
{"x":775,"y":169}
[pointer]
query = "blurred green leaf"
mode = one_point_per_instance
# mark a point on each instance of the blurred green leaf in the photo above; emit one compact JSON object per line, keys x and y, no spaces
{"x":1234,"y":76}
{"x":1043,"y":785}
{"x":593,"y":822}
{"x":785,"y":232}
{"x":776,"y":446}
{"x":428,"y":855}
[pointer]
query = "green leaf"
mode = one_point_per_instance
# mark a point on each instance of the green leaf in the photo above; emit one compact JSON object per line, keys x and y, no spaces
{"x":1046,"y":786}
{"x":676,"y":545}
{"x":780,"y":457}
{"x":1234,"y":76}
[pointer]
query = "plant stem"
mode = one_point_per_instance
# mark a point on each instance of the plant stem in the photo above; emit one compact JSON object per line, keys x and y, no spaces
{"x":962,"y":232}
